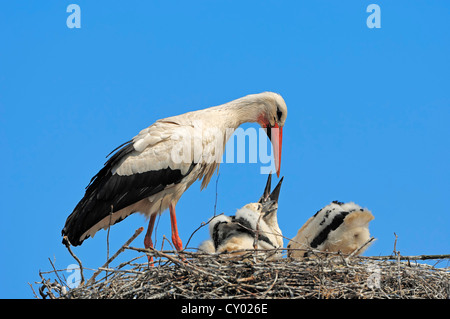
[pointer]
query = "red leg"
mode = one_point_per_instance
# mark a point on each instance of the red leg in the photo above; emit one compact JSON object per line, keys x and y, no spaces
{"x":148,"y":243}
{"x":175,"y":237}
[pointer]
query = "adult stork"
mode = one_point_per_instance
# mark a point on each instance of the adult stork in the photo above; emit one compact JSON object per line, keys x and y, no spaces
{"x":149,"y":173}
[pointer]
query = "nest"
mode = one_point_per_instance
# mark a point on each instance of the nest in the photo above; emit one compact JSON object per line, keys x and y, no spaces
{"x":178,"y":275}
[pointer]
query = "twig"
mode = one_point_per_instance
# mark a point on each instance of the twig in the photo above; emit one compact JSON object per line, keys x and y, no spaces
{"x":215,"y":202}
{"x":66,"y":242}
{"x":32,"y":289}
{"x":271,"y":286}
{"x":399,"y":257}
{"x":203,"y":224}
{"x":172,"y":259}
{"x":122,"y":271}
{"x":395,"y":244}
{"x":56,"y":272}
{"x":256,"y":239}
{"x":136,"y":233}
{"x":356,"y":251}
{"x":107,"y":234}
{"x":166,"y":239}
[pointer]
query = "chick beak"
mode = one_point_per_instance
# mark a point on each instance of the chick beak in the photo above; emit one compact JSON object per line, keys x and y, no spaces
{"x":270,"y":203}
{"x":266,"y":193}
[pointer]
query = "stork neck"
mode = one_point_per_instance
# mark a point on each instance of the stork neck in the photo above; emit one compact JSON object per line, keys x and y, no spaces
{"x":240,"y":112}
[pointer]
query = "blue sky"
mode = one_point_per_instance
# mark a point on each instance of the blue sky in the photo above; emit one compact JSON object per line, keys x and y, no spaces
{"x":368,"y":118}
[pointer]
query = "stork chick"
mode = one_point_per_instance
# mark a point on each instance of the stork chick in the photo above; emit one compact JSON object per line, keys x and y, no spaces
{"x":336,"y":227}
{"x":254,"y":226}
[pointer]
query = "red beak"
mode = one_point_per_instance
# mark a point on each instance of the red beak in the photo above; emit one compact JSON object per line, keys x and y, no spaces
{"x":275,"y":134}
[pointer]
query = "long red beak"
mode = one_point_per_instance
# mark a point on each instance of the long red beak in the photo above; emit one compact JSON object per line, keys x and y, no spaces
{"x":276,"y":137}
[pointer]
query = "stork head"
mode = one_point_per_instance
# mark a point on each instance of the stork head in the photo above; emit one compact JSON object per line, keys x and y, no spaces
{"x":272,"y":117}
{"x":270,"y":111}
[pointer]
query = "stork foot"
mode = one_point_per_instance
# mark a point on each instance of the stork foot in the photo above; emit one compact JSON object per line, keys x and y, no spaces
{"x":175,"y":237}
{"x":148,"y":243}
{"x":176,"y":240}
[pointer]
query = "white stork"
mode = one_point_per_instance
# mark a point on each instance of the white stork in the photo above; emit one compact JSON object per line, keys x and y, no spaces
{"x":146,"y":174}
{"x":336,"y":227}
{"x":253,"y":226}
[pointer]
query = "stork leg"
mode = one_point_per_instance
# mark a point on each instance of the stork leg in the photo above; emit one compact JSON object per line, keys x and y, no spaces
{"x":148,"y":243}
{"x":175,"y":237}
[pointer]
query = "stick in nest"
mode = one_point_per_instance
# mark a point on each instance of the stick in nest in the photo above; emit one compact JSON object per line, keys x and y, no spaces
{"x":66,"y":242}
{"x":127,"y":243}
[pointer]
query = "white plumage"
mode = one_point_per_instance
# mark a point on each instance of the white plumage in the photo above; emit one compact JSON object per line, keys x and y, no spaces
{"x":336,"y":227}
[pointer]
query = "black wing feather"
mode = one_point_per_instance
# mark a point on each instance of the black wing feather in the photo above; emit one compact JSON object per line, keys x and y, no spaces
{"x":107,"y":191}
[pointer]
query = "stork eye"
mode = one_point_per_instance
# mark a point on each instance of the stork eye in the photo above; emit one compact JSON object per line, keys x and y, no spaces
{"x":279,"y":114}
